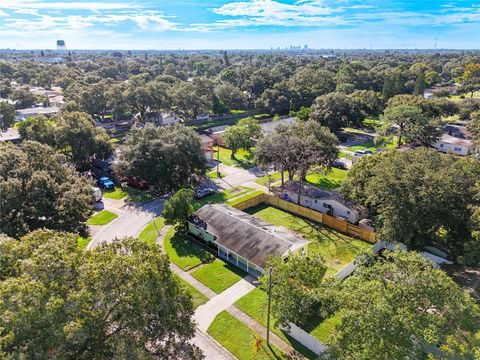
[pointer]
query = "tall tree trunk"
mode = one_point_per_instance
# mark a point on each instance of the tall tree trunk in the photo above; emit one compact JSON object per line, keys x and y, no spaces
{"x":400,"y":133}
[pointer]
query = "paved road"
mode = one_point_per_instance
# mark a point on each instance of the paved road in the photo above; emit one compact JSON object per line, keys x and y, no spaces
{"x":129,"y":223}
{"x":211,"y":349}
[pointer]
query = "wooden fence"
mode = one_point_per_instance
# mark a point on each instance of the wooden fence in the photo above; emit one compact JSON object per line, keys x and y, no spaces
{"x":330,"y":221}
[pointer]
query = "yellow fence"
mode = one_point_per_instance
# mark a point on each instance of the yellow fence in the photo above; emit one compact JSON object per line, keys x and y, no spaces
{"x":330,"y":221}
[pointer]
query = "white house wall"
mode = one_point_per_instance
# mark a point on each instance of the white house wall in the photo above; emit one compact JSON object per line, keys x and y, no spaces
{"x":456,"y":149}
{"x":339,"y":209}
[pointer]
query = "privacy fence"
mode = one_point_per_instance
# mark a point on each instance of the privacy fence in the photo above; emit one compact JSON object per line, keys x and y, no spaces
{"x":330,"y":221}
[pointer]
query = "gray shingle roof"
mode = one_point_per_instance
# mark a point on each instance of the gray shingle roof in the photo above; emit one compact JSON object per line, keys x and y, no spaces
{"x":246,"y":235}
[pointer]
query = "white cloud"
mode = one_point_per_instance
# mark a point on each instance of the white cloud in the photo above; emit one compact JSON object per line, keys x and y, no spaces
{"x":3,"y":13}
{"x":64,"y":5}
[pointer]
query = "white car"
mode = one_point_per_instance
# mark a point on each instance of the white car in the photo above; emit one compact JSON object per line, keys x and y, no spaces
{"x":97,"y":194}
{"x":362,"y":152}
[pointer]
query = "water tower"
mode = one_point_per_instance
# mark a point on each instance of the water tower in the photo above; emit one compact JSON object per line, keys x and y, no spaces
{"x":61,"y":45}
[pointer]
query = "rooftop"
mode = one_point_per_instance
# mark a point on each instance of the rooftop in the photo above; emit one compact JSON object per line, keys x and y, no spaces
{"x":39,"y":110}
{"x":246,"y":235}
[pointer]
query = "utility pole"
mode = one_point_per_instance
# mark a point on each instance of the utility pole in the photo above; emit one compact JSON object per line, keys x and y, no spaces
{"x":269,"y":300}
{"x":218,"y":159}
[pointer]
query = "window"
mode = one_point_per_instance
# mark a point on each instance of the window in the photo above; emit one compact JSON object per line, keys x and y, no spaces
{"x":348,"y":212}
{"x":457,"y":148}
{"x":315,"y":201}
{"x":328,"y":206}
{"x":441,"y":145}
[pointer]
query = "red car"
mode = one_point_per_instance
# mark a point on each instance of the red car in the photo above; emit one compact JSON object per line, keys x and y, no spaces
{"x":135,"y":182}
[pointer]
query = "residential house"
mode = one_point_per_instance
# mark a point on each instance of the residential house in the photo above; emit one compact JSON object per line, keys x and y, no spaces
{"x":268,"y":127}
{"x":216,"y":133}
{"x":35,"y":111}
{"x":162,"y":118}
{"x":455,"y":139}
{"x":328,"y":202}
{"x":207,"y":144}
{"x":243,"y":239}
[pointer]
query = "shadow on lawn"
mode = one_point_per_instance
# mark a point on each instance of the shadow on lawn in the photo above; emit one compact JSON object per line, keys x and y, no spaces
{"x":185,"y":247}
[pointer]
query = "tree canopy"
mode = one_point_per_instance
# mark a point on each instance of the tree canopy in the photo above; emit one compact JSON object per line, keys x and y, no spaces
{"x":418,"y":197}
{"x":242,"y":135}
{"x":119,"y":300}
{"x":168,"y":157}
{"x":39,"y":190}
{"x":179,"y":207}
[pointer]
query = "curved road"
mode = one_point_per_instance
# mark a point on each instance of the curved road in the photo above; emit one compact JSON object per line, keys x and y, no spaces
{"x":132,"y":218}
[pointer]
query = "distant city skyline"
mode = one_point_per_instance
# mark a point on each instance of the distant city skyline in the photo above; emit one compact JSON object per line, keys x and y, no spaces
{"x":248,"y":24}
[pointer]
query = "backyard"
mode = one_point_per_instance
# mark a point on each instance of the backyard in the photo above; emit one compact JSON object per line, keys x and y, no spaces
{"x":222,"y":196}
{"x":239,"y":339}
{"x":336,"y":249}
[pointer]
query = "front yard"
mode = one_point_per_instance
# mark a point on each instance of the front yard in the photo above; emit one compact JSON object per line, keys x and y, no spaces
{"x":336,"y":249}
{"x":150,"y":232}
{"x":183,"y":252}
{"x":102,"y":218}
{"x":218,"y":275}
{"x":131,"y":194}
{"x":243,"y":159}
{"x":329,"y":181}
{"x":240,"y":340}
{"x":197,"y":297}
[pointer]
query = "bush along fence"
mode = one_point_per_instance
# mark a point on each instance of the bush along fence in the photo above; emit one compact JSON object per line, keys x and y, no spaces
{"x":330,"y":221}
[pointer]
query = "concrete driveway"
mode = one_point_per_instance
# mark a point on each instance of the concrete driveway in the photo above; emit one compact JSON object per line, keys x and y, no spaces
{"x":131,"y":220}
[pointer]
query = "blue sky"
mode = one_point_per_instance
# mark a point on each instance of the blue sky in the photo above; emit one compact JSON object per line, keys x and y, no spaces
{"x":257,"y":24}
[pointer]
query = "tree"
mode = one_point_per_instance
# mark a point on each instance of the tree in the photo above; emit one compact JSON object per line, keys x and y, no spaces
{"x":335,"y":111}
{"x":179,"y":207}
{"x":410,"y":124}
{"x":7,"y":115}
{"x":369,"y":102}
{"x":231,"y":96}
{"x":471,"y":78}
{"x":474,"y":125}
{"x":142,"y":96}
{"x":398,"y":304}
{"x":78,"y":138}
{"x":38,"y":128}
{"x":45,"y":79}
{"x":23,"y":97}
{"x":416,"y":194}
{"x":95,"y":98}
{"x":303,"y":114}
{"x":420,"y":84}
{"x":40,"y":191}
{"x":392,"y":86}
{"x":5,"y":88}
{"x":168,"y":157}
{"x":119,"y":300}
{"x":294,"y":284}
{"x":296,"y":148}
{"x":190,"y":100}
{"x":242,"y":135}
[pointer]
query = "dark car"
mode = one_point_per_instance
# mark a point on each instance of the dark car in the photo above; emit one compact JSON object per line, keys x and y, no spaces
{"x":106,"y":183}
{"x":340,"y":165}
{"x":135,"y":182}
{"x":202,"y":193}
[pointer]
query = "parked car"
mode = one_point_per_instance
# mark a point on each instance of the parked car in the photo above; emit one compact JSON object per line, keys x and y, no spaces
{"x":340,"y":165}
{"x":362,"y":152}
{"x":134,"y":182}
{"x":106,"y":183}
{"x":202,"y":193}
{"x":97,"y":194}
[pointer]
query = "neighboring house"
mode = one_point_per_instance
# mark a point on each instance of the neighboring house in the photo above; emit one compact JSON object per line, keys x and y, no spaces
{"x":216,"y":133}
{"x":328,"y":202}
{"x":162,"y":119}
{"x":243,"y":239}
{"x":45,"y":111}
{"x":203,"y":117}
{"x":207,"y":143}
{"x":268,"y":127}
{"x":455,"y":139}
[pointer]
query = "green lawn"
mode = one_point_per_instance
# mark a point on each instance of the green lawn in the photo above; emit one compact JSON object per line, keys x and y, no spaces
{"x":82,"y":242}
{"x":322,"y":328}
{"x":222,"y":196}
{"x":274,"y":177}
{"x":255,"y":304}
{"x":218,"y":275}
{"x":372,"y":146}
{"x":239,"y":339}
{"x":132,"y":194}
{"x":183,"y":252}
{"x":197,"y":297}
{"x":329,"y":181}
{"x":245,"y":197}
{"x":335,"y":248}
{"x":102,"y":218}
{"x":243,"y":159}
{"x":150,"y":232}
{"x":214,"y":175}
{"x":371,"y":122}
